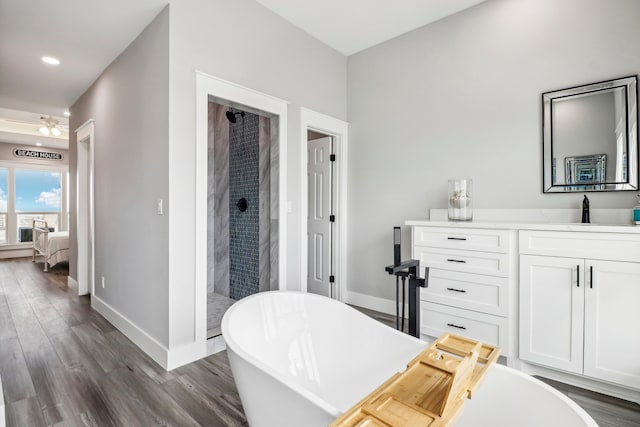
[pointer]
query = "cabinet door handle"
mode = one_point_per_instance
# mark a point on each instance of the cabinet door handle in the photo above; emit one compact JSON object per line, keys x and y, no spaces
{"x":456,"y":238}
{"x":455,"y":326}
{"x":591,"y":276}
{"x":457,"y":260}
{"x":457,"y":290}
{"x":578,"y":267}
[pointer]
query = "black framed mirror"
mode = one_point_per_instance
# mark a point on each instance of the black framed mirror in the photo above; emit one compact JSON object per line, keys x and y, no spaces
{"x":590,"y":137}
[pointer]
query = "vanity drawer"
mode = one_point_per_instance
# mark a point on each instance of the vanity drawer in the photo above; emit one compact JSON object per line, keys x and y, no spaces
{"x":495,"y":264}
{"x":605,"y":246}
{"x":436,"y":319}
{"x":487,"y":294}
{"x":463,"y":238}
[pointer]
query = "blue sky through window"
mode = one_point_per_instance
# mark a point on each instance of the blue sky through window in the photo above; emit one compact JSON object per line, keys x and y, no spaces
{"x":37,"y":191}
{"x":3,"y":190}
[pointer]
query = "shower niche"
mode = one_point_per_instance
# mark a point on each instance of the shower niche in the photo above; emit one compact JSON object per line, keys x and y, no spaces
{"x":242,"y":211}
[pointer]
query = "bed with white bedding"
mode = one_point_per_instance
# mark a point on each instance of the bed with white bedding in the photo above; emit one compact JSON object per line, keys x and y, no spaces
{"x":54,"y":246}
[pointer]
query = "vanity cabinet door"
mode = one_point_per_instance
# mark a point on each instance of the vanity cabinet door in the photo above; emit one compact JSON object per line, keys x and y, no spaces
{"x":551,"y":311}
{"x":612,"y":318}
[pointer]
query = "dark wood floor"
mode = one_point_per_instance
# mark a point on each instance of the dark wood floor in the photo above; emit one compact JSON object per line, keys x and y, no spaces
{"x":63,"y":364}
{"x":607,"y":411}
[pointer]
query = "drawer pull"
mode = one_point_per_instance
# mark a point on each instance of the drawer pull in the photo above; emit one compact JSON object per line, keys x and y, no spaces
{"x":457,"y":290}
{"x":455,"y":326}
{"x":457,"y":260}
{"x":578,"y":269}
{"x":456,"y":238}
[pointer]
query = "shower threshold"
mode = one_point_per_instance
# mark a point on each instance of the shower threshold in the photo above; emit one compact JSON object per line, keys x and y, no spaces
{"x":217,"y":305}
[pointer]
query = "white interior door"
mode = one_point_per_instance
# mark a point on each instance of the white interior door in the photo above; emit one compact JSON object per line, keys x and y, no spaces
{"x":319,"y":223}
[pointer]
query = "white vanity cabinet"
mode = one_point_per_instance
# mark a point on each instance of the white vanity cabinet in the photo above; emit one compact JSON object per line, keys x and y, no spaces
{"x":580,"y":303}
{"x":552,"y":311}
{"x":471,"y":271}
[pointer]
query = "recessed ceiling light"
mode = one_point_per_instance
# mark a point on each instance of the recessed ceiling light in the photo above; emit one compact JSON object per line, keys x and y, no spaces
{"x":66,"y":113}
{"x":50,"y":60}
{"x":39,"y":144}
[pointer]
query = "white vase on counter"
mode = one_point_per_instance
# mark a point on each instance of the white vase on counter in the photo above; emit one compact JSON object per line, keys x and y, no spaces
{"x":460,"y":201}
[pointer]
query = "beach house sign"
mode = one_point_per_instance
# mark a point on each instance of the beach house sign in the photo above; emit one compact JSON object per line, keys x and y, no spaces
{"x":37,"y":154}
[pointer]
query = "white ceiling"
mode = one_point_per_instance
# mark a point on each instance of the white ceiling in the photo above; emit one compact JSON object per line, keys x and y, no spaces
{"x":350,"y":26}
{"x":87,"y":35}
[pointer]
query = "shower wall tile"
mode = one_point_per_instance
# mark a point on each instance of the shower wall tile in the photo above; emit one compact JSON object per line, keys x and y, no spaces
{"x":273,"y":279}
{"x":275,"y":168}
{"x":244,"y":227}
{"x":242,"y":258}
{"x":220,"y":165}
{"x":264,"y":142}
{"x":210,"y":197}
{"x":274,"y":198}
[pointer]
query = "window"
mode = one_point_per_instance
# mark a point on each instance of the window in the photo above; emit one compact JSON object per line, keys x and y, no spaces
{"x":28,"y":193}
{"x":37,"y":197}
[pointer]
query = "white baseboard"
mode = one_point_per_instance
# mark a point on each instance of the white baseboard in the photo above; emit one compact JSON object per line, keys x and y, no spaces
{"x":185,"y":354}
{"x":16,"y":253}
{"x":168,"y":359}
{"x":374,"y":303}
{"x":146,"y":342}
{"x":71,"y":282}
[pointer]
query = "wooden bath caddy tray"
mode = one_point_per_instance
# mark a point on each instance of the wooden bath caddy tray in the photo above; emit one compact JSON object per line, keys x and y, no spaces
{"x":431,"y":391}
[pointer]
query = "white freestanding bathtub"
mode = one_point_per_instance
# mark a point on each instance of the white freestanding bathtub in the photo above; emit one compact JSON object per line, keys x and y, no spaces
{"x":301,"y":359}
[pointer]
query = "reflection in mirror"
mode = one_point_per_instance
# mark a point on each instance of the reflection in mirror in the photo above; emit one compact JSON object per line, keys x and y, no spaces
{"x":590,"y":140}
{"x":585,"y":170}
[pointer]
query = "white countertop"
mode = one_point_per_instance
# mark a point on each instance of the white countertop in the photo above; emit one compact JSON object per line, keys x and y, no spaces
{"x":513,"y":225}
{"x":603,"y":220}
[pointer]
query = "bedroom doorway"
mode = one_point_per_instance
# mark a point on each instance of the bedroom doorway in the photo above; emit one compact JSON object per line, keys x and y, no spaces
{"x":85,"y":214}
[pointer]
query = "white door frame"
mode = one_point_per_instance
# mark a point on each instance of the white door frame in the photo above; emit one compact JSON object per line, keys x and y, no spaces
{"x":311,"y":120}
{"x":208,"y":85}
{"x":85,"y":232}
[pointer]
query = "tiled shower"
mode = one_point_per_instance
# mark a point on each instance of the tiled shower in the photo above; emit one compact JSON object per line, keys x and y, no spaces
{"x":242,"y":208}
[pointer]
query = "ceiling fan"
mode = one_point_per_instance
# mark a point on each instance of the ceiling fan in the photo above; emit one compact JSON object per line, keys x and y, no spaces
{"x":50,"y":126}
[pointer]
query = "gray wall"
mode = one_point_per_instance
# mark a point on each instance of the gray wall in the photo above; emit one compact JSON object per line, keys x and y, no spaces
{"x":129,"y":103}
{"x":242,"y":42}
{"x":461,"y":98}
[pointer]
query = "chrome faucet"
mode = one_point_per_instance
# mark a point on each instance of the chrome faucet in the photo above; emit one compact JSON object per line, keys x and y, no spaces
{"x":585,"y":210}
